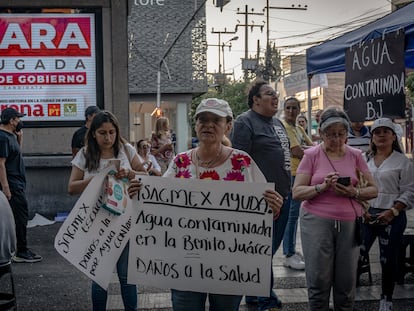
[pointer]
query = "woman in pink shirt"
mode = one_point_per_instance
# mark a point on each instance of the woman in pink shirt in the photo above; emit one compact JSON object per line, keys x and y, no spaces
{"x":328,"y":212}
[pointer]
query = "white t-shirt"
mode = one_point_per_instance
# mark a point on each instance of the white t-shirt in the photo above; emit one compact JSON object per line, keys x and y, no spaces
{"x":80,"y":161}
{"x":153,"y":160}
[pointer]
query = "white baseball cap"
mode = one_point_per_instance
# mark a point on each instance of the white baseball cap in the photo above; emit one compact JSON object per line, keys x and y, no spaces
{"x":383,"y":122}
{"x":217,"y":106}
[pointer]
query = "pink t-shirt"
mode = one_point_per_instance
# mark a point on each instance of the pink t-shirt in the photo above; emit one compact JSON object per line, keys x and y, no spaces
{"x":328,"y":204}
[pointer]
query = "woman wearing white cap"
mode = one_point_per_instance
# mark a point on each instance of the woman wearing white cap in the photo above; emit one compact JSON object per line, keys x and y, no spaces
{"x":328,"y":212}
{"x":386,"y":218}
{"x":213,"y":160}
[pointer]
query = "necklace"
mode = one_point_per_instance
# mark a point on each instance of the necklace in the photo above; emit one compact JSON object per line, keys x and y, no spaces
{"x":210,"y":162}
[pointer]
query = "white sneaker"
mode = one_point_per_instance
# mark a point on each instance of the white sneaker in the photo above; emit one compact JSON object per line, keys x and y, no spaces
{"x":294,"y":262}
{"x":385,"y":305}
{"x":300,"y":256}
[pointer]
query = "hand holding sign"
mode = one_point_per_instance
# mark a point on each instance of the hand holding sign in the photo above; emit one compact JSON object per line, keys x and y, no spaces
{"x":201,"y":235}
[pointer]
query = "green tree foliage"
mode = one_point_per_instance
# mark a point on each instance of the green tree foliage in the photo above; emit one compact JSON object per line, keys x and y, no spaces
{"x":409,"y":84}
{"x":235,"y":93}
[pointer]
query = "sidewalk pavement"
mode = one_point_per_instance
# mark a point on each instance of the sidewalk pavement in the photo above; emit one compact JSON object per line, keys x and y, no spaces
{"x":54,"y":284}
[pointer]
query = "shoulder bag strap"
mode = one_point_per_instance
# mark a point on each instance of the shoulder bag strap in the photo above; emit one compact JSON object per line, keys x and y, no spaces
{"x":350,"y":200}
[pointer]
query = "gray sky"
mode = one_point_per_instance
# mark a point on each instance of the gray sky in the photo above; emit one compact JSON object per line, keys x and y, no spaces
{"x":322,"y":20}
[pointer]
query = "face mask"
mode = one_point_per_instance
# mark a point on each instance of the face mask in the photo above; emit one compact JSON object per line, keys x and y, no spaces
{"x":19,"y":126}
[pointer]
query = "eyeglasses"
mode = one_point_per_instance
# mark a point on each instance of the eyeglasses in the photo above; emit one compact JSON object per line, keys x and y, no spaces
{"x":272,"y":94}
{"x":145,"y":146}
{"x":335,"y":135}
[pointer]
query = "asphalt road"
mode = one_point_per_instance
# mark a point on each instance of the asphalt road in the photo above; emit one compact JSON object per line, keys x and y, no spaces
{"x":54,"y":284}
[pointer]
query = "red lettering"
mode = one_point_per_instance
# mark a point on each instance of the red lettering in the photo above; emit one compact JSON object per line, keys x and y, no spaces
{"x":45,"y":36}
{"x":53,"y":110}
{"x":35,"y":110}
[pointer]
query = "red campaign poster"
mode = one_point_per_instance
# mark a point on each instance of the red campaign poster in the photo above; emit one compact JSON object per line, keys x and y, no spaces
{"x":48,"y":65}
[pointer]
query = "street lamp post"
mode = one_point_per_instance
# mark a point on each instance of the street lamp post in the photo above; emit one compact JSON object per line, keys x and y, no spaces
{"x":228,"y":44}
{"x":162,"y":59}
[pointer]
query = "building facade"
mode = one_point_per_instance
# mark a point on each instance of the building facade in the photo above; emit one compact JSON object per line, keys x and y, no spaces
{"x":132,"y":38}
{"x":168,"y":37}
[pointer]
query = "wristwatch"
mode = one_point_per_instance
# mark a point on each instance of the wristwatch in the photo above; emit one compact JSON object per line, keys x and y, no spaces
{"x":395,"y":211}
{"x":318,"y":188}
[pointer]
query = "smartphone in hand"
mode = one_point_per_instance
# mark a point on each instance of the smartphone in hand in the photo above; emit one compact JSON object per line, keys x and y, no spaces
{"x":345,"y":181}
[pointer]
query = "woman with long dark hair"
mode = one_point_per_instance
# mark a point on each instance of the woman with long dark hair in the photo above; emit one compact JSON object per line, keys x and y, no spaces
{"x":386,"y":218}
{"x":103,"y":144}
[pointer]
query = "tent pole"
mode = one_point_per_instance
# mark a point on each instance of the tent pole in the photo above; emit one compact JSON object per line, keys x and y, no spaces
{"x":309,"y":106}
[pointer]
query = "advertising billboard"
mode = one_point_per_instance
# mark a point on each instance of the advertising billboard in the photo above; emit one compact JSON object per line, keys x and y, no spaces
{"x":48,"y":65}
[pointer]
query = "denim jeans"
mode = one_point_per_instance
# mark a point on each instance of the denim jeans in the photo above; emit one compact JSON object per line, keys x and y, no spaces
{"x":389,"y":241}
{"x":289,"y":237}
{"x":195,"y":301}
{"x":279,"y":226}
{"x":128,"y":291}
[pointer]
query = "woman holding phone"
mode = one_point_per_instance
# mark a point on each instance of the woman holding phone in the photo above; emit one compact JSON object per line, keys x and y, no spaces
{"x":326,"y":182}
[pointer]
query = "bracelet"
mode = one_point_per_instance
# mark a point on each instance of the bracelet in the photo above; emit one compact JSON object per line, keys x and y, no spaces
{"x":129,"y":174}
{"x":395,"y":211}
{"x":358,"y":192}
{"x":318,"y":188}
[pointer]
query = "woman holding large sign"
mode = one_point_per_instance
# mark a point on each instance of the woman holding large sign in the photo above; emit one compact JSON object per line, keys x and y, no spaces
{"x":212,"y":160}
{"x":104,"y":144}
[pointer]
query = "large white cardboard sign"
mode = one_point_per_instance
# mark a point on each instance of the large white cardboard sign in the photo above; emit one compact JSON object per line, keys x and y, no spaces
{"x":202,"y":235}
{"x":92,"y":238}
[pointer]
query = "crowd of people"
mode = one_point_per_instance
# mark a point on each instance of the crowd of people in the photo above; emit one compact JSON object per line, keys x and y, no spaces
{"x":321,"y":182}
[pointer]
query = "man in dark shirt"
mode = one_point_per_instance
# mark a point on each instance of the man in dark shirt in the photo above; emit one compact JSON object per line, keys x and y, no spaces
{"x":259,"y":133}
{"x":13,"y":179}
{"x":78,"y":138}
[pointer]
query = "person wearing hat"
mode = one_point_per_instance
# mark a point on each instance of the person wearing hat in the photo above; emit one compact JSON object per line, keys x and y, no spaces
{"x":386,"y":218}
{"x":213,"y":160}
{"x":329,"y":212}
{"x":13,"y":179}
{"x":78,"y":138}
{"x":263,"y":136}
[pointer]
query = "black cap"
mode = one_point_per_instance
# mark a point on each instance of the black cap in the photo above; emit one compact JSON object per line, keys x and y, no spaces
{"x":91,"y":110}
{"x":10,"y":113}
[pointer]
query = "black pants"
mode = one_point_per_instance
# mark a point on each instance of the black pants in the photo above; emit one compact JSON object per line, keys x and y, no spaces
{"x":389,"y":241}
{"x":20,"y":210}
